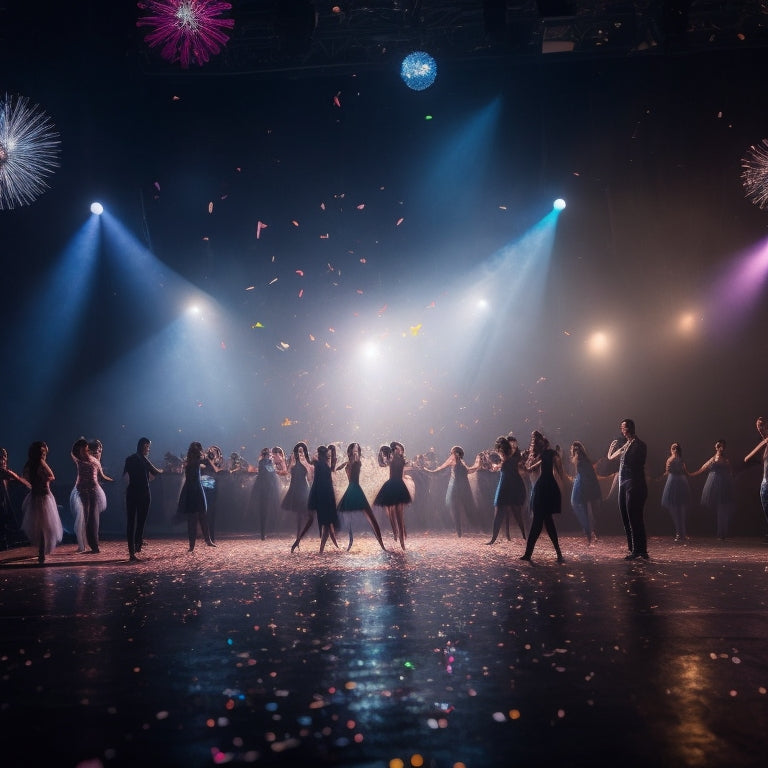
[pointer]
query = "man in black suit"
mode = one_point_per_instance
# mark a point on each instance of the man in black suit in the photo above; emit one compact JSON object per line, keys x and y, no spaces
{"x":633,"y":489}
{"x":136,"y":471}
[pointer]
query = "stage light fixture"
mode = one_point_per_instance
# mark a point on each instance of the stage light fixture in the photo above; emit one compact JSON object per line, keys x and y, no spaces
{"x":559,"y":204}
{"x":97,"y":208}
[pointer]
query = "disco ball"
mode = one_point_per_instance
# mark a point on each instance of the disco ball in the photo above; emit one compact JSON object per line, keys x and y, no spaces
{"x":418,"y":70}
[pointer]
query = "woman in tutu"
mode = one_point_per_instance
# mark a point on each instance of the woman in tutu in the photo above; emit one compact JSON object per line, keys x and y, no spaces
{"x":510,"y":491}
{"x":458,"y":497}
{"x":677,"y":493}
{"x":41,"y":522}
{"x":265,"y":494}
{"x":394,"y":494}
{"x":545,"y":498}
{"x":322,"y":499}
{"x":192,"y":502}
{"x":297,"y":496}
{"x":90,"y":498}
{"x":97,"y":499}
{"x":354,"y":499}
{"x":717,"y":493}
{"x":8,"y":524}
{"x":586,"y":494}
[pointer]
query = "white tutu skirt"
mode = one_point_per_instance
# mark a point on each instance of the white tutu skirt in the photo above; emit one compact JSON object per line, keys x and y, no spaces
{"x":76,"y":508}
{"x":41,"y":521}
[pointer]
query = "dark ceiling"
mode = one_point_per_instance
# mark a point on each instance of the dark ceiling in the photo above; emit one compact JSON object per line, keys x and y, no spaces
{"x":315,"y":35}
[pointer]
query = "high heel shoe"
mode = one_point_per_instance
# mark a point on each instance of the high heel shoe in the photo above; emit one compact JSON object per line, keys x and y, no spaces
{"x":211,"y":544}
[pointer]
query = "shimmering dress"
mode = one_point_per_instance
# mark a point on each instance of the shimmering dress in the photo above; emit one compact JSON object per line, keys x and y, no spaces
{"x":677,"y":491}
{"x":354,"y":499}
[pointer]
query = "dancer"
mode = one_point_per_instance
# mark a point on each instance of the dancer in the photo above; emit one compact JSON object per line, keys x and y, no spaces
{"x":41,"y":522}
{"x":322,"y":499}
{"x":762,"y":428}
{"x":394,"y":494}
{"x":633,"y":488}
{"x":297,"y":496}
{"x":458,"y":497}
{"x":192,"y":501}
{"x":211,"y":488}
{"x":88,"y":500}
{"x":586,"y":494}
{"x":8,"y":524}
{"x":546,"y":498}
{"x":677,"y":492}
{"x":265,"y":494}
{"x":137,"y":471}
{"x":510,"y":492}
{"x":354,"y":499}
{"x":717,"y":493}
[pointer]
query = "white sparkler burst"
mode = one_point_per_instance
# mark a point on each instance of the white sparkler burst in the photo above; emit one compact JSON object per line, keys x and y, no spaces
{"x":754,"y":175}
{"x":29,"y":150}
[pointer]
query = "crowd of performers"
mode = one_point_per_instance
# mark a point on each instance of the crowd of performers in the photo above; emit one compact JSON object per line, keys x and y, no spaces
{"x":525,"y":488}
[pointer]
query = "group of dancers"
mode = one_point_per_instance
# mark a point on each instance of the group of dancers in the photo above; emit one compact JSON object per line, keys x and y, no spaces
{"x":529,"y":489}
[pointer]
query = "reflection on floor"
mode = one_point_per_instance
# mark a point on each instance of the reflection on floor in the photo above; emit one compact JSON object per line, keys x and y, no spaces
{"x":452,"y":653}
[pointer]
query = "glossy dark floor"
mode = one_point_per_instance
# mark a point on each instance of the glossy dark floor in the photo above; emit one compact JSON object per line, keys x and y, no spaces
{"x":450,"y":654}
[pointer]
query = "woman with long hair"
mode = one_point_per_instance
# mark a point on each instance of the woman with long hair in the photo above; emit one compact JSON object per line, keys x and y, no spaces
{"x":545,"y":497}
{"x":265,"y":494}
{"x":510,"y":491}
{"x":301,"y":473}
{"x":41,"y":522}
{"x":88,"y":500}
{"x":354,"y":499}
{"x":586,"y":494}
{"x":192,"y":501}
{"x":394,"y":494}
{"x":322,"y":499}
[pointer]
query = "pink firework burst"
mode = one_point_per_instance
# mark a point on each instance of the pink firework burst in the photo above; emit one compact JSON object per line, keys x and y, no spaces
{"x":187,"y":30}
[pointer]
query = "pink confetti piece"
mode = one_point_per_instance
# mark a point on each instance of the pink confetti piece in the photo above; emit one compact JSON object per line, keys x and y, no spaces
{"x":400,"y":221}
{"x":210,"y":207}
{"x":261,"y":225}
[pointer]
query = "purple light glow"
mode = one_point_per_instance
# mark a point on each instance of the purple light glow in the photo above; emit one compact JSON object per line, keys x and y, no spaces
{"x":742,"y":286}
{"x":187,"y":30}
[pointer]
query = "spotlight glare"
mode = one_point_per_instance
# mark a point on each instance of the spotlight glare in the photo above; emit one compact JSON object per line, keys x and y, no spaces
{"x":559,"y":204}
{"x":599,"y":343}
{"x":482,"y":305}
{"x":371,"y":350}
{"x":418,"y":70}
{"x":97,"y":208}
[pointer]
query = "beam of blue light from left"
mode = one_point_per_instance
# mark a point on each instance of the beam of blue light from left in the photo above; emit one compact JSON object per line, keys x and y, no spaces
{"x":49,"y":320}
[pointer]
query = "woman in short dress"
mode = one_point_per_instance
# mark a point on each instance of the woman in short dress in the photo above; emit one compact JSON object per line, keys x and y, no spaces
{"x":41,"y":522}
{"x":546,"y":497}
{"x":510,"y":491}
{"x":192,"y":501}
{"x":322,"y":498}
{"x":354,"y":499}
{"x":297,"y":495}
{"x":677,"y":492}
{"x":586,"y":494}
{"x":394,"y":494}
{"x":717,"y":493}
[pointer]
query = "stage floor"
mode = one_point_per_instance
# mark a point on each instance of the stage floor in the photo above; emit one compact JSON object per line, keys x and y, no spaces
{"x":449,"y":654}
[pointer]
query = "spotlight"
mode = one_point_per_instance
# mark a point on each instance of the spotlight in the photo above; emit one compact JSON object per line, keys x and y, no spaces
{"x":599,"y":343}
{"x":97,"y":208}
{"x":559,"y":204}
{"x":371,"y":351}
{"x":418,"y":70}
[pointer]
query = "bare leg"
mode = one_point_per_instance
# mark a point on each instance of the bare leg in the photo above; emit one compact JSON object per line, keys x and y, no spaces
{"x":332,"y":534}
{"x":498,"y":518}
{"x":375,"y":526}
{"x":392,"y":521}
{"x":303,"y":531}
{"x":517,"y":513}
{"x":324,"y":531}
{"x":400,"y":524}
